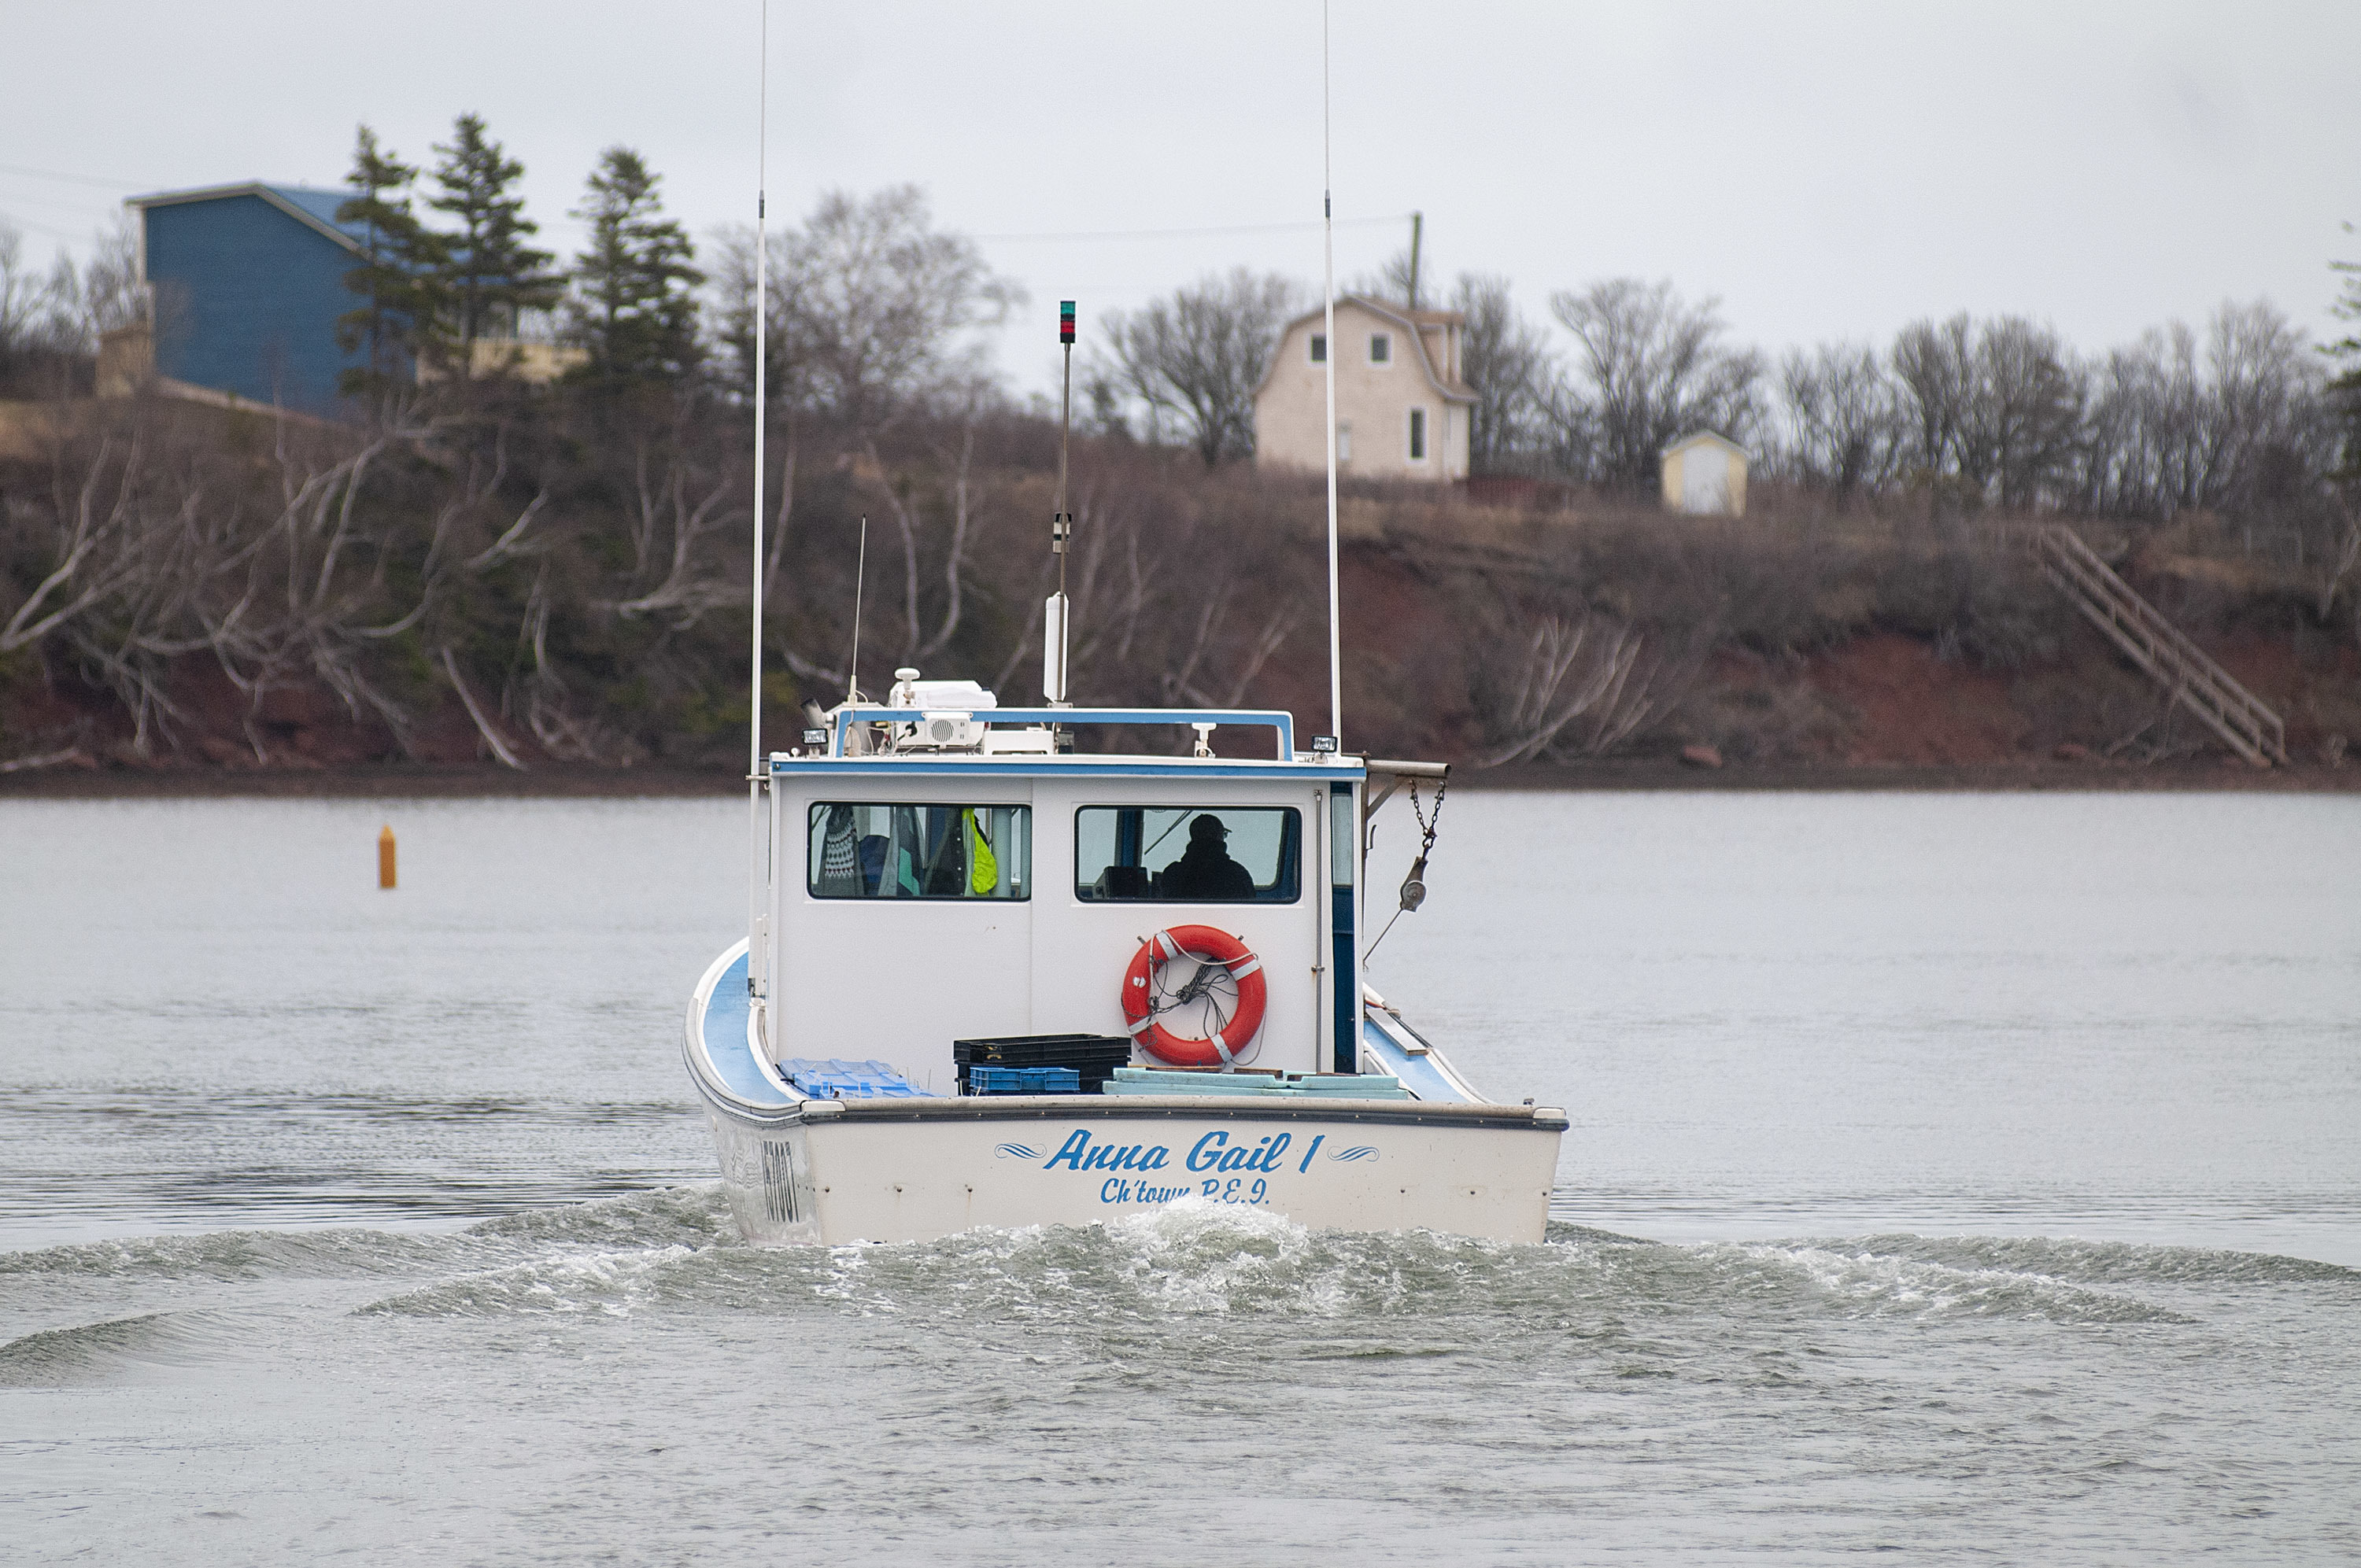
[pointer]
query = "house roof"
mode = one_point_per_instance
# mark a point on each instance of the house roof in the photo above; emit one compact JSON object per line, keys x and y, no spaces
{"x":308,"y":205}
{"x":1409,"y":321}
{"x":1699,"y":437}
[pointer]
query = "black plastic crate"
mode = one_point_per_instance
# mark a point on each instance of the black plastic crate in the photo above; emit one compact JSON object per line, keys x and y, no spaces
{"x":1040,"y":1050}
{"x":1093,"y":1057}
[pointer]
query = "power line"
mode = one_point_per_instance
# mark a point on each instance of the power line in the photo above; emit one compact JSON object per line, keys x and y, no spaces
{"x":1188,"y":234}
{"x":74,"y":204}
{"x":15,"y":222}
{"x":71,"y":179}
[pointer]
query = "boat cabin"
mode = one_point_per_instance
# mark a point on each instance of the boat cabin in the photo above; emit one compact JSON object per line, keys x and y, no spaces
{"x":1006,"y":880}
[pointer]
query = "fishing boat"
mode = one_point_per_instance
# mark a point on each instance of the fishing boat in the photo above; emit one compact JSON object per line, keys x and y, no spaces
{"x":996,"y":976}
{"x":995,"y":981}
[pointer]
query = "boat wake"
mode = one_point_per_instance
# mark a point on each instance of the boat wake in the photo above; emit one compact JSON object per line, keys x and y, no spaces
{"x":676,"y":1250}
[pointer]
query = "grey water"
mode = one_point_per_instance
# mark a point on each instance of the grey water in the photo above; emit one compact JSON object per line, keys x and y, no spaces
{"x":1970,"y":1176}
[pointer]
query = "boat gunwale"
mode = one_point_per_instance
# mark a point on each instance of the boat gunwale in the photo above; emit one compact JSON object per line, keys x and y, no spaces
{"x":1027,"y":764}
{"x":1145,"y":1107}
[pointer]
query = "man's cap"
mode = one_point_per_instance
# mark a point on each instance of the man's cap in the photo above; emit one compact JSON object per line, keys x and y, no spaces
{"x":1208,"y":826}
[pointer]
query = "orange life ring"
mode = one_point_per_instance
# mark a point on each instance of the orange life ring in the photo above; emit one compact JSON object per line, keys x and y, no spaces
{"x":1207,"y":946}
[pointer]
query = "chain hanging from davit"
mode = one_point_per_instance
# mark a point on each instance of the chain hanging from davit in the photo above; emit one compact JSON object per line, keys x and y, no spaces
{"x":1413,"y":887}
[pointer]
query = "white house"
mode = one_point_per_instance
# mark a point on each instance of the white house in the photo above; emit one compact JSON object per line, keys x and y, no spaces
{"x":1705,"y":473}
{"x":1402,"y":408}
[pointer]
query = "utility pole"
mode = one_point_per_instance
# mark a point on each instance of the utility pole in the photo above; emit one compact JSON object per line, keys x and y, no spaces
{"x":1417,"y":222}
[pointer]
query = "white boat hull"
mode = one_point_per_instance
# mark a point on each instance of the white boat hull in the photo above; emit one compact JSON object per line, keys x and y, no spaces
{"x":808,"y":1172}
{"x":909,"y":1170}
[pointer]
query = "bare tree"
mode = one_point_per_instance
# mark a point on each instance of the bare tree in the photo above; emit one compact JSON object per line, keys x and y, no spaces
{"x":23,"y":305}
{"x":1934,"y":367}
{"x":265,"y":562}
{"x":683,"y":494}
{"x":1570,"y":678}
{"x":2027,"y":414}
{"x":872,"y":317}
{"x":1506,"y":360}
{"x":1844,"y":427}
{"x":875,"y":307}
{"x":2144,"y":450}
{"x":50,"y":320}
{"x":1391,"y":280}
{"x":1198,"y":357}
{"x":1653,"y":369}
{"x":1996,"y":408}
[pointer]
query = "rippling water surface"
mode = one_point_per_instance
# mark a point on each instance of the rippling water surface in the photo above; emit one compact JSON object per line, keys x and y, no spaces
{"x":1974,"y":1177}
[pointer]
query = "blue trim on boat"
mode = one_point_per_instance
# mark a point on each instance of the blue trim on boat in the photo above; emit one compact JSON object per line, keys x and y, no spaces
{"x":1418,"y":1074}
{"x":1347,"y":970}
{"x":969,"y":765}
{"x":724,"y":1036}
{"x":1260,"y":717}
{"x":1348,"y":980}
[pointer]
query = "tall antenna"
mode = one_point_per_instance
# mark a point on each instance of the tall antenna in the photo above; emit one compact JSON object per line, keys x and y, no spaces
{"x":758,"y":856}
{"x":860,"y":575}
{"x":1328,"y":289}
{"x":1061,"y":527}
{"x":761,"y":407}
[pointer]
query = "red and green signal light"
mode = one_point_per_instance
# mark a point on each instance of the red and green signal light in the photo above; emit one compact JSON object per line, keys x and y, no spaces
{"x":1065,"y":320}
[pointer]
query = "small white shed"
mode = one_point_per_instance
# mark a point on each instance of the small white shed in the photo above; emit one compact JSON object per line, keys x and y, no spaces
{"x":1705,"y":473}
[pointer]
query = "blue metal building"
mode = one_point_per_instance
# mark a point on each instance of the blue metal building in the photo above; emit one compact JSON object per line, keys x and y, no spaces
{"x":247,"y":283}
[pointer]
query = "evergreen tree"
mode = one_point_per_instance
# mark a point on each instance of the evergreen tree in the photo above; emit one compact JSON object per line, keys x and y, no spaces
{"x":397,"y":253}
{"x":634,"y":305}
{"x":487,"y":274}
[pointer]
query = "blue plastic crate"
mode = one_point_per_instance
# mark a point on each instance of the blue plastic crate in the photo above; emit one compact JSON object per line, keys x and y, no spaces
{"x":981,"y":1080}
{"x":833,"y":1079}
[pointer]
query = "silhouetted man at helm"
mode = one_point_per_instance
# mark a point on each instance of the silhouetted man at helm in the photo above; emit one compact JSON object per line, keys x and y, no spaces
{"x":1205,"y":869}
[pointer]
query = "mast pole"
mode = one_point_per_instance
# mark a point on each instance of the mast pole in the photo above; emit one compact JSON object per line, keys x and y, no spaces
{"x":1328,"y":292}
{"x":758,"y":858}
{"x":1061,"y":527}
{"x":1063,"y":524}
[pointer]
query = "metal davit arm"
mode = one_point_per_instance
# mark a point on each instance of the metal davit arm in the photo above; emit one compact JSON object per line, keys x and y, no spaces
{"x":1397,"y":774}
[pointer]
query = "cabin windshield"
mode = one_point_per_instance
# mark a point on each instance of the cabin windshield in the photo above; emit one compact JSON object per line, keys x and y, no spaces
{"x":1175,"y":854}
{"x":865,"y":850}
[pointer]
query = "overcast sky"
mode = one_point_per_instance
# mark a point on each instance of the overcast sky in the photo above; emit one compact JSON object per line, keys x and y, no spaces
{"x":1830,"y":171}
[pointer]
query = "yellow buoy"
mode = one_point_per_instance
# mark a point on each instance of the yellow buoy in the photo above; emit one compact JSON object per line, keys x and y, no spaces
{"x":385,"y":856}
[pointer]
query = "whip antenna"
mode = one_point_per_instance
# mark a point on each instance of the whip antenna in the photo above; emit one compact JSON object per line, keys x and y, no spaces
{"x":762,"y":408}
{"x":1328,"y":290}
{"x":859,"y":575}
{"x":758,"y":849}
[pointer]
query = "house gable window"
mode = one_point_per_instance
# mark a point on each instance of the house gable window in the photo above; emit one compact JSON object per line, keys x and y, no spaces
{"x":1381,"y":348}
{"x":1320,"y":348}
{"x":1418,"y":435}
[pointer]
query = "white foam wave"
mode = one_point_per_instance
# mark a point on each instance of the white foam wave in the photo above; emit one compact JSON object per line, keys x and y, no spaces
{"x":1867,"y":1282}
{"x":612,"y":1283}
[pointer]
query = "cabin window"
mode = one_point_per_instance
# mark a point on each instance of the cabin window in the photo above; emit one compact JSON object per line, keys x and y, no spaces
{"x":1381,"y":348}
{"x":1320,"y":348}
{"x":1418,"y":435}
{"x":1195,"y":854}
{"x":871,"y":849}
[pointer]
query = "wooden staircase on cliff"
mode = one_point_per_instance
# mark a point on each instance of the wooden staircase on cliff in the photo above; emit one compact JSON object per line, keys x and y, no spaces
{"x":2241,"y":718}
